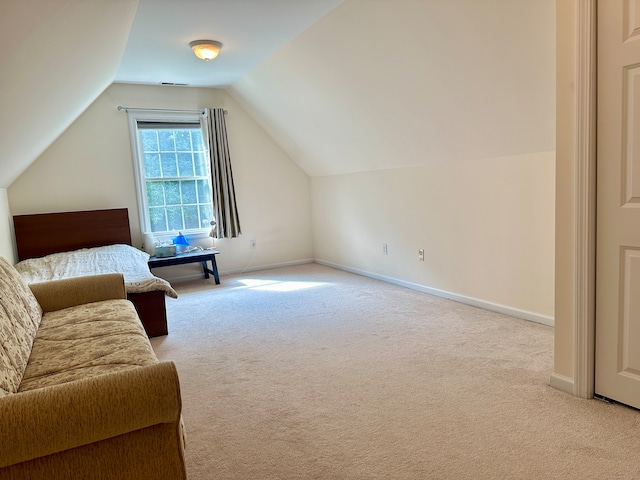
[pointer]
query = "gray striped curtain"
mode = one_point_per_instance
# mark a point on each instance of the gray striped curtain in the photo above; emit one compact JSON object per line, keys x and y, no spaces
{"x":224,"y":195}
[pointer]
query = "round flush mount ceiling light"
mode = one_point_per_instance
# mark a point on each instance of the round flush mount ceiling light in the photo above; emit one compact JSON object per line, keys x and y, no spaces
{"x":206,"y":49}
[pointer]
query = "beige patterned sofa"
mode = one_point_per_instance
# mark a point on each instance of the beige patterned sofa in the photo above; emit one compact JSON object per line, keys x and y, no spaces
{"x":82,"y":395}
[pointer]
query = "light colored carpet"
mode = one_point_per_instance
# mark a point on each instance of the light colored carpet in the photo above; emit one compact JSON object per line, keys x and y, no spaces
{"x":308,"y":372}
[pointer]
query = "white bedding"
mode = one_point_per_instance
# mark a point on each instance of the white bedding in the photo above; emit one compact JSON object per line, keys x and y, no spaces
{"x":125,"y":259}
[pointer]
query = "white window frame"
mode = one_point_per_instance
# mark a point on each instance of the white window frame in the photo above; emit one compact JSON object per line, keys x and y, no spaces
{"x":138,"y":164}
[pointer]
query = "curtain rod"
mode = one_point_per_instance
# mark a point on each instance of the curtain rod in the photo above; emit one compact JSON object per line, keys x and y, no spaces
{"x":131,"y":109}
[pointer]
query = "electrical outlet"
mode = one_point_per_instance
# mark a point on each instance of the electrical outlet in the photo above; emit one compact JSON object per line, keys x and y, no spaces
{"x":421,"y":255}
{"x":252,"y":243}
{"x":384,"y":248}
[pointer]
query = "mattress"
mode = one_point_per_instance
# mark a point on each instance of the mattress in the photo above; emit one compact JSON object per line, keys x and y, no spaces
{"x":125,"y":259}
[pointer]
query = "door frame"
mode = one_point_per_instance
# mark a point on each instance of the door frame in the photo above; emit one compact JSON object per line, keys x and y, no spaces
{"x":585,"y":199}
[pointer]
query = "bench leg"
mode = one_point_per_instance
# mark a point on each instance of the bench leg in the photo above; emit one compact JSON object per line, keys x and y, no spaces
{"x":213,"y":271}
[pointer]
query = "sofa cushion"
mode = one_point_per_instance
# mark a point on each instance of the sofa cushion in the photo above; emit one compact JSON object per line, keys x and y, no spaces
{"x":20,"y":317}
{"x":85,"y":341}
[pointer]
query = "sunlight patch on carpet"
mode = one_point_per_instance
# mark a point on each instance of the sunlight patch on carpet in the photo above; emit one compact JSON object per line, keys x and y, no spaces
{"x":278,"y":286}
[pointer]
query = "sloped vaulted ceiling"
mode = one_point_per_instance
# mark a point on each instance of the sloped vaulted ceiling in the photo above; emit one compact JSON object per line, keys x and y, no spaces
{"x":57,"y":56}
{"x":396,"y":83}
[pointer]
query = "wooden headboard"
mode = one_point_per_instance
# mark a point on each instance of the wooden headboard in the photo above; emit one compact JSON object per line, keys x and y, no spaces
{"x":45,"y":233}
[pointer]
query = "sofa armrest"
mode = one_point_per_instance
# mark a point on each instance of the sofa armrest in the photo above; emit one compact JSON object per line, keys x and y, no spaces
{"x":61,"y":417}
{"x":70,"y":292}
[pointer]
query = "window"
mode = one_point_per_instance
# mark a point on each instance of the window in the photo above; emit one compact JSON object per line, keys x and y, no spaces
{"x":172,"y":172}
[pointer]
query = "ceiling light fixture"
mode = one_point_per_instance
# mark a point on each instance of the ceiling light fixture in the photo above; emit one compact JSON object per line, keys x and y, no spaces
{"x":206,"y":49}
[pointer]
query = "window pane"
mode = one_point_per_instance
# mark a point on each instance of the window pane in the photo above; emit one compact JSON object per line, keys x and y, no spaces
{"x":149,"y":140}
{"x":183,"y":140}
{"x":206,"y":215}
{"x":166,"y":138}
{"x":174,"y":218}
{"x":189,"y":194}
{"x":185,"y":165}
{"x":155,"y":194}
{"x":158,"y":220}
{"x":152,"y":165}
{"x":191,"y":216}
{"x":201,"y":164}
{"x":196,"y":138}
{"x":169,"y":165}
{"x":204,"y":192}
{"x":172,"y":193}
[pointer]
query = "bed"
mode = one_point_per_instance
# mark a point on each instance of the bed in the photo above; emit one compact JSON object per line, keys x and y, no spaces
{"x":58,"y":245}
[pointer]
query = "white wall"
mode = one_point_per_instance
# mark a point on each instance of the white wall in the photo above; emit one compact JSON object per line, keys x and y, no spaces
{"x":567,"y":175}
{"x":90,"y":167}
{"x":6,"y":228}
{"x":486,"y":227}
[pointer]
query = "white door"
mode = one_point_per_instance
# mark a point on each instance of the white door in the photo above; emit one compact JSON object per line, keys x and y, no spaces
{"x":617,"y":354}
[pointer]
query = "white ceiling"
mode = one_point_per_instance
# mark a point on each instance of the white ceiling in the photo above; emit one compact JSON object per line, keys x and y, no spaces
{"x":157,"y":50}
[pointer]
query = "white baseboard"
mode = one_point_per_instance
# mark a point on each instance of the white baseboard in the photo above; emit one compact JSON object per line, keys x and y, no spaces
{"x":560,"y":382}
{"x":494,"y":307}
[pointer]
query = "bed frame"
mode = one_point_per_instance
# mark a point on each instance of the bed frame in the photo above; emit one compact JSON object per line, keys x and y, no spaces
{"x":41,"y":234}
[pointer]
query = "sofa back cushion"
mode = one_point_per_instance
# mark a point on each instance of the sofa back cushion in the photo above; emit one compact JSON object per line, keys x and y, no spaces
{"x":20,"y":316}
